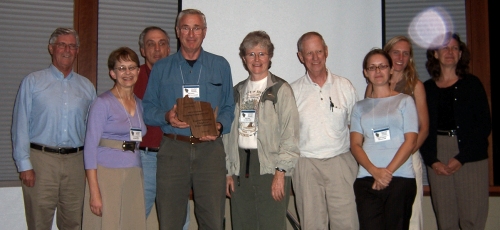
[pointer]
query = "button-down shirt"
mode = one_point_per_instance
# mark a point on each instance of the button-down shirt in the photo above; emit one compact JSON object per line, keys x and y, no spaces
{"x":50,"y":110}
{"x":211,"y":72}
{"x":324,"y":114}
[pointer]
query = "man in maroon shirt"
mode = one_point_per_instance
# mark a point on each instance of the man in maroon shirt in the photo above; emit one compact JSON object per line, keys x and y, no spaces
{"x":154,"y":45}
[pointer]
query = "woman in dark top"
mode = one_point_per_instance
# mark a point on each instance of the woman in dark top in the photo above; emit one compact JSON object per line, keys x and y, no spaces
{"x":455,"y":151}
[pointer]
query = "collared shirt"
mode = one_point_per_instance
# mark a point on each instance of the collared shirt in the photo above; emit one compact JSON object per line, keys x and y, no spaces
{"x":154,"y":135}
{"x":324,"y":114}
{"x":211,"y":72}
{"x":50,"y":110}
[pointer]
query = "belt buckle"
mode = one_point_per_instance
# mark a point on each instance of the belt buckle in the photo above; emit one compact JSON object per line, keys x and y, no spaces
{"x":452,"y":133}
{"x":62,"y":151}
{"x":191,"y":140}
{"x":128,"y":145}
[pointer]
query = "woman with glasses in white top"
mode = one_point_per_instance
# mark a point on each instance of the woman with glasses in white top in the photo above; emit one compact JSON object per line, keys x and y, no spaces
{"x":262,"y":146}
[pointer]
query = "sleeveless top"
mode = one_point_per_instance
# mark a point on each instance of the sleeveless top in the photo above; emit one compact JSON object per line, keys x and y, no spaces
{"x":400,"y":87}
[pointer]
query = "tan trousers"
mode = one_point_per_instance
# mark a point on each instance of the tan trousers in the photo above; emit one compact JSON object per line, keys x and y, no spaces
{"x":460,"y":200}
{"x":324,"y":192}
{"x":59,"y":183}
{"x":417,"y":219}
{"x":122,"y":194}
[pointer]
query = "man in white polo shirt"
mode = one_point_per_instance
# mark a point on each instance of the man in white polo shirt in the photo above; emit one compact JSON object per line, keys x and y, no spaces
{"x":326,"y":170}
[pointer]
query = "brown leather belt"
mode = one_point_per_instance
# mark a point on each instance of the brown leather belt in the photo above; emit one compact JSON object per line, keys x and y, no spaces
{"x":55,"y":150}
{"x":188,"y":139}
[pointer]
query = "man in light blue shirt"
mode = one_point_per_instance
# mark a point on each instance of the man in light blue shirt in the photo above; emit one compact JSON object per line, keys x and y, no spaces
{"x":48,"y":130}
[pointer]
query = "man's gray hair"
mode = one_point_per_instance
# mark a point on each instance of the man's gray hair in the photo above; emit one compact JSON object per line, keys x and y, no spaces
{"x":63,"y":31}
{"x":307,"y":36}
{"x":191,"y":11}
{"x":146,"y":30}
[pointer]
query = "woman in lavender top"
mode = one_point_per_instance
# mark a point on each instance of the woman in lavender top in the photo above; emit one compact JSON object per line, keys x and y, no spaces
{"x":114,"y":196}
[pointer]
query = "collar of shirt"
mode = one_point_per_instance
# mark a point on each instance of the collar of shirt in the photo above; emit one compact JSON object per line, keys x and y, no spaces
{"x":58,"y":74}
{"x":329,"y":79}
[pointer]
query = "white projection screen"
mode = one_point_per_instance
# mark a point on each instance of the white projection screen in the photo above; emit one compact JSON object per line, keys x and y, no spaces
{"x":350,"y":28}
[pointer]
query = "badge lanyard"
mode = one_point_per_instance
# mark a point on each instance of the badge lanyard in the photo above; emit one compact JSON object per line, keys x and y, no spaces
{"x":135,"y":134}
{"x":193,"y":91}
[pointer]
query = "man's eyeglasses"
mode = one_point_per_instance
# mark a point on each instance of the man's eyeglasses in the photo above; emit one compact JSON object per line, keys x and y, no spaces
{"x":124,"y":68}
{"x":196,"y":29}
{"x":253,"y":55}
{"x":380,"y":67}
{"x":62,"y":45}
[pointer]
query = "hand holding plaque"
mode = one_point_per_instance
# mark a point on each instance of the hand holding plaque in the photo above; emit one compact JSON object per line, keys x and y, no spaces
{"x":199,"y":115}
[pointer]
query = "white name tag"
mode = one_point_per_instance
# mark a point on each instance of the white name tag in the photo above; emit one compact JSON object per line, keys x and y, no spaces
{"x":193,"y":91}
{"x":247,"y":116}
{"x":381,"y":135}
{"x":135,"y":135}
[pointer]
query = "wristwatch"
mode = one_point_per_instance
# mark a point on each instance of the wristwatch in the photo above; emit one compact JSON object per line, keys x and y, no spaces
{"x":280,"y":169}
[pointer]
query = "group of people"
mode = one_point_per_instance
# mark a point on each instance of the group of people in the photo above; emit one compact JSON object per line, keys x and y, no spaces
{"x":353,"y":164}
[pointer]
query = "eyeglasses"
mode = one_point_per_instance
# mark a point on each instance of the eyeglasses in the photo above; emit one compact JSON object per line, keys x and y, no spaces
{"x":124,"y":68}
{"x":380,"y":67}
{"x":62,"y":45}
{"x":152,"y":44}
{"x":253,"y":55}
{"x":196,"y":29}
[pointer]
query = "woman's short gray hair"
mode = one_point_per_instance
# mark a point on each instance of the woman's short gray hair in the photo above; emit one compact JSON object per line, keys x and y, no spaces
{"x":255,"y":38}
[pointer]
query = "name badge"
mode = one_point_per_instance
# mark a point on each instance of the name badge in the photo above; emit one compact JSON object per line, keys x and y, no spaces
{"x":193,"y":91}
{"x":247,"y":116}
{"x":135,"y":135}
{"x":381,"y":135}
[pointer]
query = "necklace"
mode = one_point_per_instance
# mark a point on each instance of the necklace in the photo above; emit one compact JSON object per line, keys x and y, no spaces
{"x":125,"y":110}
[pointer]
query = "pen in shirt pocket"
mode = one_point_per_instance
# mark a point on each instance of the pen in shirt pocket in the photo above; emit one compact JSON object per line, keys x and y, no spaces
{"x":331,"y":104}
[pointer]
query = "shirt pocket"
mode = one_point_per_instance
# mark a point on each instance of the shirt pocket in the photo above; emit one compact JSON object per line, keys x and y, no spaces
{"x":338,"y":116}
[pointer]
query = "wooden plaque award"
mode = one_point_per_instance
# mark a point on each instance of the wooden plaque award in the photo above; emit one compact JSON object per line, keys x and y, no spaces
{"x":199,"y":115}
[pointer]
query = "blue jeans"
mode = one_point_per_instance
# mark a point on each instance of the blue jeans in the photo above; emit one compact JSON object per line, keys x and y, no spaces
{"x":148,"y":160}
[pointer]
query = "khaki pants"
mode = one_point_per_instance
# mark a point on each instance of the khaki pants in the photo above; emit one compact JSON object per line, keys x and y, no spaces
{"x":324,"y":192}
{"x":59,"y":183}
{"x":122,"y":194}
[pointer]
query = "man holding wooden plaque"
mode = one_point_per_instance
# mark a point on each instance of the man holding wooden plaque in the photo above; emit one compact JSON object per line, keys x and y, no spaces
{"x":190,"y":96}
